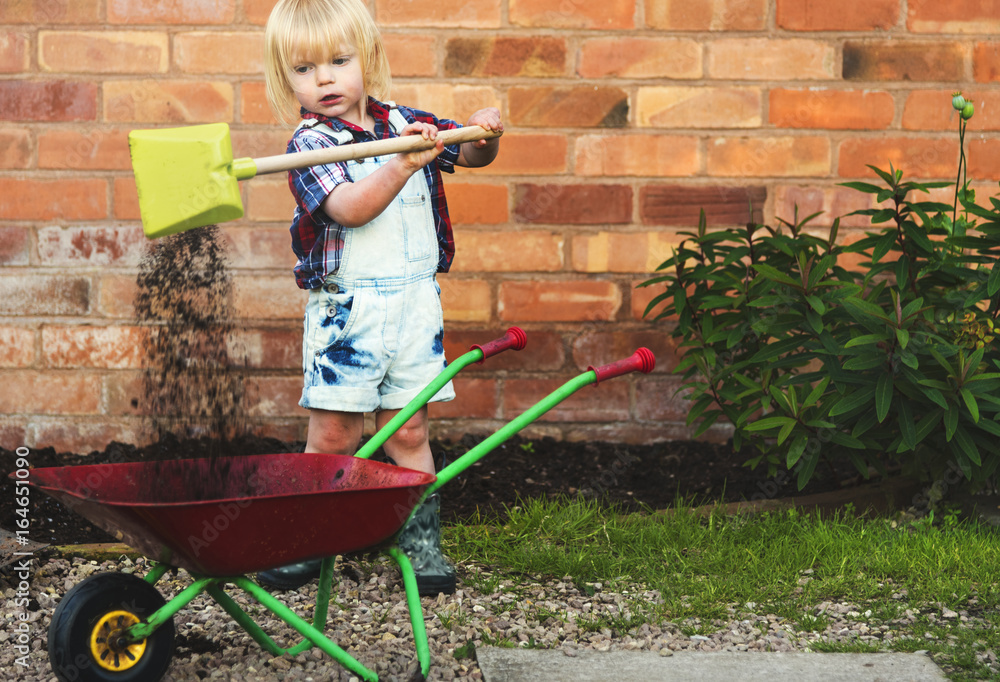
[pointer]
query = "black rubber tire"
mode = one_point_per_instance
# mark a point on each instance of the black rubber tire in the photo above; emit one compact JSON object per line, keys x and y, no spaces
{"x":83,"y":606}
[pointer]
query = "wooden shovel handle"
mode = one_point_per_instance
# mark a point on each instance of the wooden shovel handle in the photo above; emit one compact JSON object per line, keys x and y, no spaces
{"x":364,"y":150}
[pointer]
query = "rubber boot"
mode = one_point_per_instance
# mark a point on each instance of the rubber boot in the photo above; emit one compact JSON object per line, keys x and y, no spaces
{"x":290,"y":577}
{"x":421,"y":542}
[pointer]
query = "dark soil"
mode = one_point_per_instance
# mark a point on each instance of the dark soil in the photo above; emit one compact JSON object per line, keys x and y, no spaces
{"x":630,"y":476}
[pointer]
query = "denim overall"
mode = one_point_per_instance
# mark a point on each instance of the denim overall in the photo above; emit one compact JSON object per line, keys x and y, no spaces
{"x":374,"y":331}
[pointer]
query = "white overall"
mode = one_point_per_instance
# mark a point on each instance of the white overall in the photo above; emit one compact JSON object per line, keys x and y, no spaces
{"x":374,"y":332}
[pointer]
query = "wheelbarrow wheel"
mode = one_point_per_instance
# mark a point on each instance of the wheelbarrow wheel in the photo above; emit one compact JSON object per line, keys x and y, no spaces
{"x":83,"y":646}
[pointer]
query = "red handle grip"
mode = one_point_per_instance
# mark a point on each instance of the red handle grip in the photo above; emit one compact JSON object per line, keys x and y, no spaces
{"x":514,"y":338}
{"x":642,"y":360}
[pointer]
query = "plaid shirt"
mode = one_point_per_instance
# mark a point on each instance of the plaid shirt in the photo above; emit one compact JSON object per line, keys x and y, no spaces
{"x":317,"y":240}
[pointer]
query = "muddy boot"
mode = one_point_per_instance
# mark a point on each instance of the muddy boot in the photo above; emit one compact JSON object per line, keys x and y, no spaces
{"x":290,"y":577}
{"x":421,"y":542}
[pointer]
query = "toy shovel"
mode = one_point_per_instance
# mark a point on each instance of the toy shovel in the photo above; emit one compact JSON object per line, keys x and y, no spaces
{"x":187,"y":177}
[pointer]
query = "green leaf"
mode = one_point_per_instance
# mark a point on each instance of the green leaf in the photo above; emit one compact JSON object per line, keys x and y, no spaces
{"x":795,"y":450}
{"x":950,"y":422}
{"x":768,"y":423}
{"x":862,"y":187}
{"x":970,"y":403}
{"x":883,"y":246}
{"x":883,"y":396}
{"x":847,"y":440}
{"x":968,"y":446}
{"x":866,"y":361}
{"x":903,"y":337}
{"x":853,"y":401}
{"x":918,"y":236}
{"x":785,"y":431}
{"x":775,"y":275}
{"x":806,"y":469}
{"x":864,"y":340}
{"x":993,"y":283}
{"x":907,"y":427}
{"x":816,"y":392}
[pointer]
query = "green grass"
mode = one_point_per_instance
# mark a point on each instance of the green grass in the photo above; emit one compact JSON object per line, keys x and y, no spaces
{"x":706,"y":565}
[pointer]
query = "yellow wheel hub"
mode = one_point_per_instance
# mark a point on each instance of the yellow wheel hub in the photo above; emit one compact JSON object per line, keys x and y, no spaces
{"x":108,"y":645}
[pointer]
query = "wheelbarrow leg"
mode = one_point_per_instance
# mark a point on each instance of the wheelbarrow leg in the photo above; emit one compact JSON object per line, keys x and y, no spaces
{"x":416,"y":612}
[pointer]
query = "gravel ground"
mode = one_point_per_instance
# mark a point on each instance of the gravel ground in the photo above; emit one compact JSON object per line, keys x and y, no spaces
{"x":368,"y":617}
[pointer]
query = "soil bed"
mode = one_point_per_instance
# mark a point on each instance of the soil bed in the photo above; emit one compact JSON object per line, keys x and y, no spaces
{"x":633,"y":477}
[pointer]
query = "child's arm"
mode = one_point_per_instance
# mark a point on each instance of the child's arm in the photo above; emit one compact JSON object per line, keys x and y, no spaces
{"x":481,"y":152}
{"x":353,"y":204}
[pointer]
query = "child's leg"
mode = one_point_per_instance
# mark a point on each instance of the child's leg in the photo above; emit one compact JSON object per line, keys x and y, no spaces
{"x":410,"y":445}
{"x":334,"y":433}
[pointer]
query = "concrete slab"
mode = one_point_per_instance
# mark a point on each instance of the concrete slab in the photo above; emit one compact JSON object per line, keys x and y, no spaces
{"x":520,"y":665}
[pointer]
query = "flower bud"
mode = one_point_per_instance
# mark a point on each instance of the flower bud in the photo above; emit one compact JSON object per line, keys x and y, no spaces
{"x":957,"y":101}
{"x":967,"y":111}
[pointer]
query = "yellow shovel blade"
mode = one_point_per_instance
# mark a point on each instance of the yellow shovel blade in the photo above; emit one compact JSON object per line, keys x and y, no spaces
{"x":184,"y":178}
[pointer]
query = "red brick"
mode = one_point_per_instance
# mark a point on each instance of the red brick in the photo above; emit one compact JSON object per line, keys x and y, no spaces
{"x":505,"y":56}
{"x":13,"y":433}
{"x":986,"y":62}
{"x":270,"y":348}
{"x":62,"y":393}
{"x":91,"y":246}
{"x":279,"y":397}
{"x":438,"y":13}
{"x":43,"y":12}
{"x":475,"y":399}
{"x":269,"y":199}
{"x":508,"y":251}
{"x":919,"y":158}
{"x":559,"y":301}
{"x":262,"y":297}
{"x":103,"y":51}
{"x":831,"y":109}
{"x":55,"y":100}
{"x":984,"y":161}
{"x":65,"y":199}
{"x":126,"y":199}
{"x":607,"y":402}
{"x":44,"y":295}
{"x":14,"y":245}
{"x":831,"y":202}
{"x":260,"y":248}
{"x":471,"y":204}
{"x":17,"y":346}
{"x":658,"y":400}
{"x":627,"y":57}
{"x":78,"y":148}
{"x":896,"y":60}
{"x":168,"y":101}
{"x":254,"y":107}
{"x":258,"y":142}
{"x":16,"y":148}
{"x":115,"y":296}
{"x":543,"y":352}
{"x":849,"y":15}
{"x":641,"y":297}
{"x":707,"y":15}
{"x":771,"y":156}
{"x":681,"y":204}
{"x":411,"y":55}
{"x":932,"y":110}
{"x":83,"y":436}
{"x":455,"y":101}
{"x":13,"y":52}
{"x":569,"y":107}
{"x":466,"y":300}
{"x":171,"y":11}
{"x":573,"y":204}
{"x":608,"y":15}
{"x":638,"y":155}
{"x":528,"y":154}
{"x":699,"y":107}
{"x":123,"y":394}
{"x":257,"y":11}
{"x":601,"y":348}
{"x":769,"y":59}
{"x":969,"y":16}
{"x":219,"y":52}
{"x":93,"y":347}
{"x":622,"y":251}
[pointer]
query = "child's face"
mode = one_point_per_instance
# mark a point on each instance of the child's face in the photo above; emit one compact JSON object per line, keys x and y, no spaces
{"x":334,"y":87}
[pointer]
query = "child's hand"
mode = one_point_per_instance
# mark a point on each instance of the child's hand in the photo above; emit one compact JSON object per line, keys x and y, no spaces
{"x":416,"y":160}
{"x":489,"y":119}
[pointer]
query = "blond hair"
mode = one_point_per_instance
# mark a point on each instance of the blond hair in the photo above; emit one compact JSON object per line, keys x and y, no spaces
{"x":318,"y":29}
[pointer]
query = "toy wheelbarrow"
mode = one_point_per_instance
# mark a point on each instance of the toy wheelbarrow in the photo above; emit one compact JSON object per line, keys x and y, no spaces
{"x":223,"y":518}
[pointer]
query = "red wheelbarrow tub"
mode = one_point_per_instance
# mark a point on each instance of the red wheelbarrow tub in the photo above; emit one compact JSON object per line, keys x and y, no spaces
{"x":234,"y":515}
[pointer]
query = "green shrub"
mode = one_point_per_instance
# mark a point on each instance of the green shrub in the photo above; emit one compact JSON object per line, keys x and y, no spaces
{"x":890,"y":359}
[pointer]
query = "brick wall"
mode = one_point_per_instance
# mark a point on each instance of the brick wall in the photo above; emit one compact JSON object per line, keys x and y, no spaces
{"x":624,"y":118}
